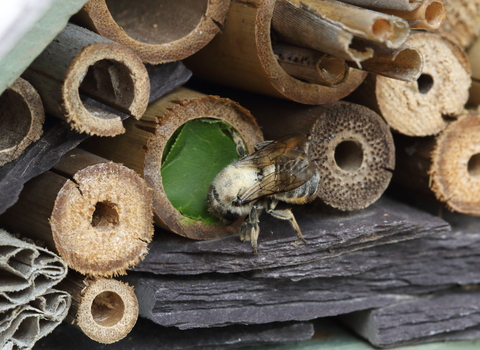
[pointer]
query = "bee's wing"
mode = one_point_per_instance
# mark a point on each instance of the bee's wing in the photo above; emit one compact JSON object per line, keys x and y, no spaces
{"x":268,"y":154}
{"x":292,"y":168}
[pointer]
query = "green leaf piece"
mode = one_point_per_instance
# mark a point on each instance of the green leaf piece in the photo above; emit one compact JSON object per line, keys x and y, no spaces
{"x":194,"y":155}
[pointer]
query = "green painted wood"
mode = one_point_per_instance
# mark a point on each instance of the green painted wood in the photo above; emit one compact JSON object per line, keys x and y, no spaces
{"x":329,"y":335}
{"x":36,"y":39}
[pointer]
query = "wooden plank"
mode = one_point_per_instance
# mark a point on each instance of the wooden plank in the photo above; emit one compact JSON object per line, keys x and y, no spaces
{"x":13,"y":63}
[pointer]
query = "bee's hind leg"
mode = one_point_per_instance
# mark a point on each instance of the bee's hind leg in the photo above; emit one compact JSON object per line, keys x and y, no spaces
{"x":250,"y":229}
{"x":285,"y":214}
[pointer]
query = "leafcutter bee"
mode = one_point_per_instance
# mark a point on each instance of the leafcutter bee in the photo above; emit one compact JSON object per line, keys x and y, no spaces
{"x":277,"y":171}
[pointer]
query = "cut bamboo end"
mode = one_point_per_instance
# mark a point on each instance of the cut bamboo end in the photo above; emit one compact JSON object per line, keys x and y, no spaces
{"x":104,"y":309}
{"x":473,"y":58}
{"x":354,"y":152}
{"x":158,"y":31}
{"x":242,"y":56}
{"x":462,"y":20}
{"x":419,"y":108}
{"x":21,"y":119}
{"x":429,"y":15}
{"x":147,"y":142}
{"x":89,"y":67}
{"x":102,"y":220}
{"x":455,"y":168}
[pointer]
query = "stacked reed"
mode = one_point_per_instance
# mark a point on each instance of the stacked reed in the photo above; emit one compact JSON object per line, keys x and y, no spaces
{"x":96,"y":207}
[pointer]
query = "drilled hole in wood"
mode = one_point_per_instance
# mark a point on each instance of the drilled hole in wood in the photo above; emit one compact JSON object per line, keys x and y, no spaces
{"x":425,"y":83}
{"x":105,"y":216}
{"x":349,"y":156}
{"x":109,"y":82}
{"x":434,"y":13}
{"x":107,"y":309}
{"x":15,"y":119}
{"x":157,"y":22}
{"x":474,"y":166}
{"x":381,"y":28}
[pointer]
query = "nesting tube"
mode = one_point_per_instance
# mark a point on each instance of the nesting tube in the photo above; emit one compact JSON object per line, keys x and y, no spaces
{"x":21,"y":119}
{"x":242,"y":56}
{"x":103,"y":308}
{"x":351,"y":146}
{"x":429,"y":15}
{"x":447,"y":165}
{"x":158,"y":31}
{"x":80,"y":71}
{"x":96,"y":214}
{"x":420,"y":108}
{"x":473,"y":58}
{"x":172,"y":133}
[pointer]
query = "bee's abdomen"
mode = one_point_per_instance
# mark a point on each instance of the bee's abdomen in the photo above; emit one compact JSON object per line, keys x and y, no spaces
{"x":302,"y":194}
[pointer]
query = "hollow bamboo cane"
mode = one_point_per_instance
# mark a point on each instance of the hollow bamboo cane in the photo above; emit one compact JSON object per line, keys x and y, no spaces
{"x":473,"y":58}
{"x":158,"y":31}
{"x":78,"y":64}
{"x":404,"y":5}
{"x":144,"y":148}
{"x":97,"y":215}
{"x":104,"y":309}
{"x":21,"y":119}
{"x":447,"y":165}
{"x":310,"y":65}
{"x":429,"y":15}
{"x":419,"y":108}
{"x":351,"y":146}
{"x":242,"y":56}
{"x":461,"y":24}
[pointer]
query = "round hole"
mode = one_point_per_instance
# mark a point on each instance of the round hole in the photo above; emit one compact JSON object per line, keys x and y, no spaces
{"x":474,"y":166}
{"x":109,"y":82}
{"x":381,"y":28}
{"x":333,"y":68}
{"x":15,"y":119}
{"x":107,"y":309}
{"x":105,"y":216}
{"x":434,"y":13}
{"x":349,"y":156}
{"x":425,"y":83}
{"x":157,"y":22}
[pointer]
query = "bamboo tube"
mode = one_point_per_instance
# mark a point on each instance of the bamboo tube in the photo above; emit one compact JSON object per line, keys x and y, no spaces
{"x":473,"y":58}
{"x":96,"y":215}
{"x":104,"y":309}
{"x":404,"y":5}
{"x":448,"y":164}
{"x":158,"y":31}
{"x":429,"y":15}
{"x":142,"y":148}
{"x":242,"y":57}
{"x":310,"y":65}
{"x":418,"y":108}
{"x":21,"y":119}
{"x":462,"y":20}
{"x":351,"y":146}
{"x":404,"y":63}
{"x":80,"y":63}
